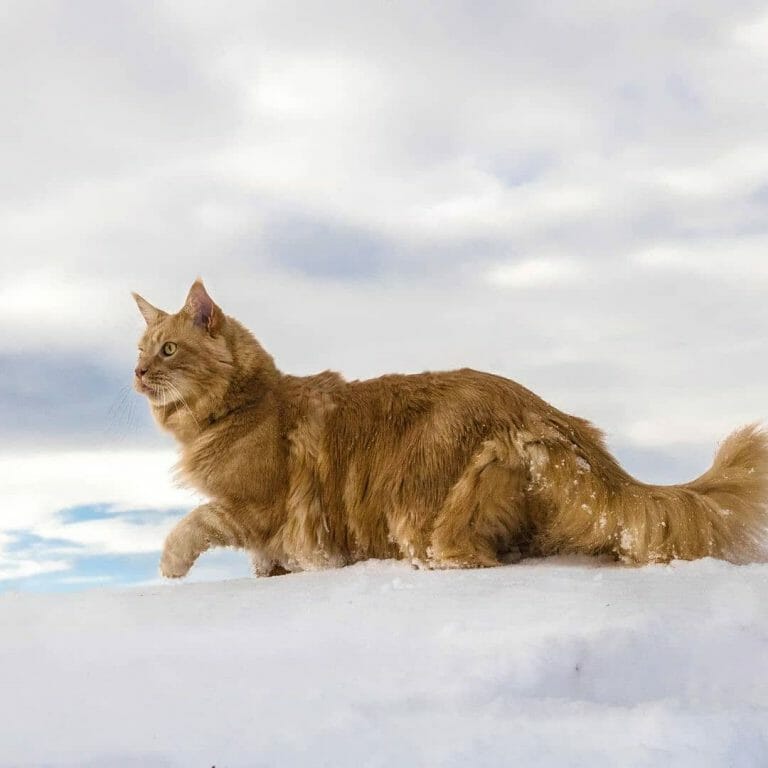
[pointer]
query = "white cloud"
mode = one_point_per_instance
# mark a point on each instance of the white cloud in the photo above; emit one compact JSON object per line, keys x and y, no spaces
{"x":48,"y":307}
{"x":23,"y":568}
{"x":310,"y":89}
{"x":108,"y":536}
{"x":533,"y":273}
{"x":738,"y":170}
{"x":681,"y":430}
{"x":37,"y":486}
{"x":753,"y":35}
{"x":740,"y":260}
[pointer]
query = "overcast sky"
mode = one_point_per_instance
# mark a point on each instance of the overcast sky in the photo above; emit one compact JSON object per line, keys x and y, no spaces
{"x":572,"y":194}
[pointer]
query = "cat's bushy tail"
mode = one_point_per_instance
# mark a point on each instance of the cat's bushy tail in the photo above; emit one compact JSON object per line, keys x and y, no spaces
{"x":723,"y":513}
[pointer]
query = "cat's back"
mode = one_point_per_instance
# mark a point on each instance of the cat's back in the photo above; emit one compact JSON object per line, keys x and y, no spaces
{"x":403,"y":416}
{"x":463,"y":393}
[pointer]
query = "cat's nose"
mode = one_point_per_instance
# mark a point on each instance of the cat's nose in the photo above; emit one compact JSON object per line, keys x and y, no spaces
{"x":140,"y":372}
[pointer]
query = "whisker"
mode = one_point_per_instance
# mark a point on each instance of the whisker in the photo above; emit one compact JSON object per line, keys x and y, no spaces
{"x":175,"y":390}
{"x":120,"y":419}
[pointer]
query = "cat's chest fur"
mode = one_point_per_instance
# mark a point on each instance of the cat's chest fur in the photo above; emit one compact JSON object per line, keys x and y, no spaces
{"x":240,"y":460}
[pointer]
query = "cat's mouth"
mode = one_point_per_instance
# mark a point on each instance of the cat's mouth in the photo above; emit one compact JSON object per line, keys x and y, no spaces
{"x":158,"y":394}
{"x":145,"y":389}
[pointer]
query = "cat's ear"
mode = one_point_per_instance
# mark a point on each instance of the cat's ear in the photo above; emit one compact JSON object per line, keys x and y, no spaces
{"x":202,"y":309}
{"x":149,"y":313}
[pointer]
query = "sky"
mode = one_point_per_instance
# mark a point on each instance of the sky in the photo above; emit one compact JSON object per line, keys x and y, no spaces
{"x":571,"y":194}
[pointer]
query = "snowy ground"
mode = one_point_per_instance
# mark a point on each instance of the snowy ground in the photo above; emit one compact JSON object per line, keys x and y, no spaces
{"x":543,"y":663}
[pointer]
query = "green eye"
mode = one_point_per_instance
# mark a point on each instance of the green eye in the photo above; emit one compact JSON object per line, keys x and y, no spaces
{"x":168,"y":348}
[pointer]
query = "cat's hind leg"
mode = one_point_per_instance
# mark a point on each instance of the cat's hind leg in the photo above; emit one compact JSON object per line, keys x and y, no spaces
{"x":209,"y":525}
{"x":264,"y":565}
{"x":483,"y":516}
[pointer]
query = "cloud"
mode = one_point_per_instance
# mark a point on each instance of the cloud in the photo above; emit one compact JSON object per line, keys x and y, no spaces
{"x":685,"y":429}
{"x":62,"y":509}
{"x":323,"y":249}
{"x":112,"y":535}
{"x":739,"y":260}
{"x":25,"y":569}
{"x":32,"y":562}
{"x":38,"y":485}
{"x":532,"y":273}
{"x":69,"y":398}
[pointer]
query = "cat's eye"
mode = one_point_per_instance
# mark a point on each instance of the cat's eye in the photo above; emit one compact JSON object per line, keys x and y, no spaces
{"x":168,"y":349}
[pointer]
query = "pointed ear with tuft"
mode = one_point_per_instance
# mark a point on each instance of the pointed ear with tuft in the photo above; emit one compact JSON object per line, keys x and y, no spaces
{"x":150,"y":314}
{"x":202,"y":309}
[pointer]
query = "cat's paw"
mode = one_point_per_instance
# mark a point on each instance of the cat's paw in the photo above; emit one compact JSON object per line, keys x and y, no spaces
{"x":458,"y":558}
{"x":172,"y":566}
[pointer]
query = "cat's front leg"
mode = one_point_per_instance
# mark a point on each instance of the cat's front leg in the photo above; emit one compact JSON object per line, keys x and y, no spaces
{"x":209,"y":525}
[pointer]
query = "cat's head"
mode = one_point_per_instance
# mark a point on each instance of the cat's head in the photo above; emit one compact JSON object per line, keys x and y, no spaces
{"x":189,"y":360}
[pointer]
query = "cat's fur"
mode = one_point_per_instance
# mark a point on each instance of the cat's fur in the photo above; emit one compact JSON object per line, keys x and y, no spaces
{"x":456,"y":469}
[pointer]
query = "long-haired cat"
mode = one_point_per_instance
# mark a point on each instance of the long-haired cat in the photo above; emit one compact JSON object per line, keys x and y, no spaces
{"x":447,"y":470}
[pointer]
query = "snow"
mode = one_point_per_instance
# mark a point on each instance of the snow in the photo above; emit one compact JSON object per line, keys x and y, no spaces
{"x":560,"y":662}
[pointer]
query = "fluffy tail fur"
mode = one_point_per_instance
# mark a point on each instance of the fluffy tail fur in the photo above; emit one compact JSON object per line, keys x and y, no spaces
{"x":723,"y":513}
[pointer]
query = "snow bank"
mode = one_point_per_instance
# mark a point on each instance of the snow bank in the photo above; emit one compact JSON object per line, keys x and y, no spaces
{"x":545,"y":663}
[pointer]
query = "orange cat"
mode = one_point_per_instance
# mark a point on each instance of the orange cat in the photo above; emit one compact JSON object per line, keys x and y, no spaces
{"x":448,"y":470}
